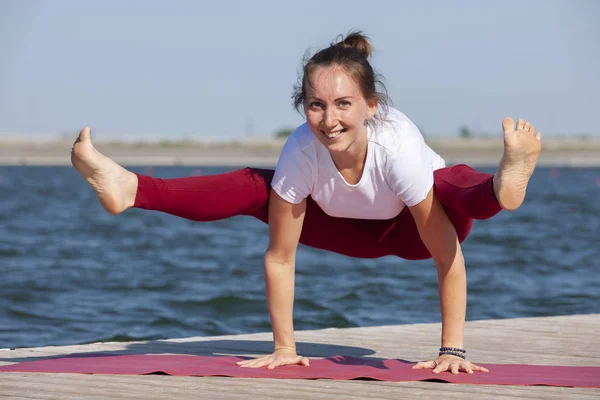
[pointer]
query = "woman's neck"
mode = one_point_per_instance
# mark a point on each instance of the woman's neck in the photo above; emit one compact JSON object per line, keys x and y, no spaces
{"x":351,"y":162}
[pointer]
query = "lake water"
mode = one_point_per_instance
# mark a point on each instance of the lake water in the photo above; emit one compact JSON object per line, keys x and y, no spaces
{"x":71,"y":273}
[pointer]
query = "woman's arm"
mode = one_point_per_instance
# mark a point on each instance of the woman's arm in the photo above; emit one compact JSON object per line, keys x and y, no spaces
{"x":285,"y":227}
{"x":439,"y":236}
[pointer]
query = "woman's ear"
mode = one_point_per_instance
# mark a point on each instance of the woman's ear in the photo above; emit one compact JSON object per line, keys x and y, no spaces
{"x":372,"y":109}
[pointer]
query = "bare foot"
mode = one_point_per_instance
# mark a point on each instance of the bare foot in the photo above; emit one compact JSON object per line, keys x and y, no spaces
{"x":522,"y":148}
{"x":114,"y":185}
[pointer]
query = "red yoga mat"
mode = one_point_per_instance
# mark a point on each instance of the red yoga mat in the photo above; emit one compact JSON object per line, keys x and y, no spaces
{"x":338,"y":367}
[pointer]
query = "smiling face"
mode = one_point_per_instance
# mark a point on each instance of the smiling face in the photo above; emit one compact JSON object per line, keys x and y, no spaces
{"x":336,"y":111}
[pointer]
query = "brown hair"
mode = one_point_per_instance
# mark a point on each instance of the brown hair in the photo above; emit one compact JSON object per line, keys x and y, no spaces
{"x":352,"y":54}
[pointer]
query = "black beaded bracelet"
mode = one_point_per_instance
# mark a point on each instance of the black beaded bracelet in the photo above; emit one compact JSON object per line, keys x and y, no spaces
{"x":453,"y":349}
{"x":452,"y":353}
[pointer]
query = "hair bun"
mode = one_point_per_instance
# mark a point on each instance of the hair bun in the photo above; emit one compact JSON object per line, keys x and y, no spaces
{"x":357,"y":40}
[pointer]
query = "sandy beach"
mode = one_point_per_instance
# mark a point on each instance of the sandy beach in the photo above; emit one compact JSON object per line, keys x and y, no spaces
{"x":481,"y":152}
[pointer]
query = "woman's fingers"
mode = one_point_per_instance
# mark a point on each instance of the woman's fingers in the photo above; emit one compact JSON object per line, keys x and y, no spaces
{"x":450,"y":364}
{"x":467,"y":367}
{"x":279,"y":362}
{"x":454,"y":368}
{"x":291,"y":361}
{"x":441,"y":367}
{"x":478,"y":368}
{"x":255,"y":363}
{"x":273,"y":361}
{"x":425,"y":364}
{"x":274,"y":364}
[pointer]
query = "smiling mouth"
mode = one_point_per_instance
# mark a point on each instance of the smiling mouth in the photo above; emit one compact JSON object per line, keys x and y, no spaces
{"x":333,"y":135}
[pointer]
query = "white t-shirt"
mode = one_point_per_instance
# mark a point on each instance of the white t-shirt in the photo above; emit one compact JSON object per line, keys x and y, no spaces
{"x":398,"y":171}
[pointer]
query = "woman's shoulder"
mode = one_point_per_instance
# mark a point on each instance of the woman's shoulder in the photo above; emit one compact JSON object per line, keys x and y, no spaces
{"x":300,"y":145}
{"x":301,"y":138}
{"x":394,"y":130}
{"x":396,"y":121}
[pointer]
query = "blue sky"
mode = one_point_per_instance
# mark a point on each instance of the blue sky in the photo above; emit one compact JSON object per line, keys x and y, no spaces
{"x":218,"y":69}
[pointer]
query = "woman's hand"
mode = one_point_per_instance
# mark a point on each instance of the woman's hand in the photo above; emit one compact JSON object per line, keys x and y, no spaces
{"x":278,"y":358}
{"x":447,"y":362}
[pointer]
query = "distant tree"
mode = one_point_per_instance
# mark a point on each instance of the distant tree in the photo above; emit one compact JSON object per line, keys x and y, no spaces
{"x":284,"y":132}
{"x":465,"y":132}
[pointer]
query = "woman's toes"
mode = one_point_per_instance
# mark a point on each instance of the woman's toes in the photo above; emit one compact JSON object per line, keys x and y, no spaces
{"x":508,"y":125}
{"x":517,"y":164}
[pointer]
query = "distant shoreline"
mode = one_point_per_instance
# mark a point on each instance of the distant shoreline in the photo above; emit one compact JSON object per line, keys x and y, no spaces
{"x":484,"y":152}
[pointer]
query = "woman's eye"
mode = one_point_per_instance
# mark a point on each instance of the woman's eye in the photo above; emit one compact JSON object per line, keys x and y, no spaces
{"x":344,"y":103}
{"x":316,"y":104}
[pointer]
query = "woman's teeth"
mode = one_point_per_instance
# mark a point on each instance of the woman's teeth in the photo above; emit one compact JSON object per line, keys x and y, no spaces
{"x":333,"y":135}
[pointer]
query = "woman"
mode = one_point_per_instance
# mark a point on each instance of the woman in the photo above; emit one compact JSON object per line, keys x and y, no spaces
{"x":357,"y":179}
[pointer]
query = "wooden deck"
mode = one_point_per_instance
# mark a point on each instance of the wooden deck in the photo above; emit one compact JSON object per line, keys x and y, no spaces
{"x":566,"y":340}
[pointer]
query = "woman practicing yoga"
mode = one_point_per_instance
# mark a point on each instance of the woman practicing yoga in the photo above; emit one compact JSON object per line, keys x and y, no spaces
{"x":356,"y":179}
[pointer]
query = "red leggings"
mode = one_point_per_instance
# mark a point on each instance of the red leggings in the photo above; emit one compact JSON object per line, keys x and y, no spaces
{"x":465,"y":193}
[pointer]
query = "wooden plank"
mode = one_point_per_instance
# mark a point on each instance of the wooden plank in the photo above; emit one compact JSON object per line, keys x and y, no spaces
{"x":565,"y":340}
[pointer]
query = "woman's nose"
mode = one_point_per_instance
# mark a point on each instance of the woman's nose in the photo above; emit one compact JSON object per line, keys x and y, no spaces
{"x":330,"y":118}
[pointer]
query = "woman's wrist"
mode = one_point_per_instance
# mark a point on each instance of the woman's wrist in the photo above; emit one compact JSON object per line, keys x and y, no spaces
{"x":453,"y":351}
{"x":289,"y":348}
